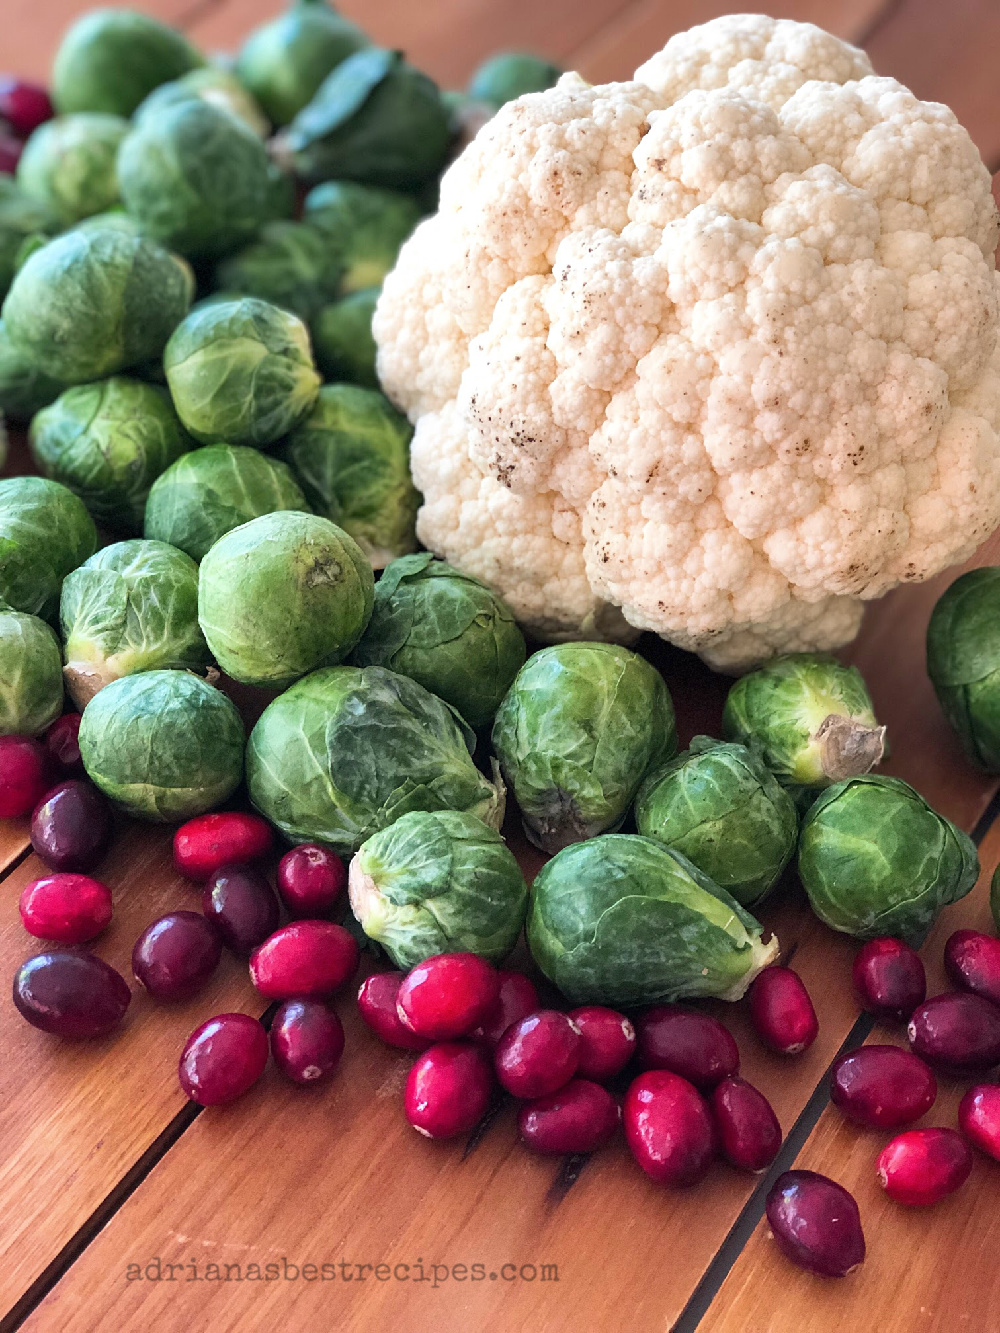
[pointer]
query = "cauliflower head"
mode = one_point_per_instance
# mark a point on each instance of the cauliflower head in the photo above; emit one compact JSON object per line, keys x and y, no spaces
{"x":711,"y":353}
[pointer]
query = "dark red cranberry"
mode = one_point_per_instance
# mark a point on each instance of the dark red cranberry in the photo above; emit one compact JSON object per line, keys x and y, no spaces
{"x":979,"y":1118}
{"x":71,"y":994}
{"x":607,"y":1041}
{"x":24,"y":775}
{"x":923,"y":1165}
{"x":448,"y":995}
{"x":10,"y":153}
{"x":782,"y":1012}
{"x":972,"y":961}
{"x":71,"y":826}
{"x":23,"y":105}
{"x":686,"y":1042}
{"x":889,"y":978}
{"x":304,"y":960}
{"x":517,"y":999}
{"x":538,"y":1055}
{"x":956,"y":1031}
{"x":882,"y":1087}
{"x":310,"y":880}
{"x":816,"y":1223}
{"x":580,"y":1117}
{"x":749,"y":1132}
{"x":69,"y":908}
{"x":242,"y":906}
{"x":448,"y":1089}
{"x":63,"y":745}
{"x":206,"y":843}
{"x":668,"y":1128}
{"x":223,"y":1058}
{"x":377,"y":1006}
{"x":307,"y":1040}
{"x":175,"y":956}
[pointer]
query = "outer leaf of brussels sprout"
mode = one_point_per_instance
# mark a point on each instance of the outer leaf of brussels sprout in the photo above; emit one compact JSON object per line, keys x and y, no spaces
{"x":510,"y":74}
{"x":68,"y":164}
{"x":45,"y":531}
{"x":437,"y":882}
{"x":363,"y":226}
{"x":20,"y":219}
{"x":31,"y":687}
{"x":218,"y":87}
{"x":963,"y":662}
{"x":289,"y":264}
{"x":24,"y":387}
{"x":343,"y":342}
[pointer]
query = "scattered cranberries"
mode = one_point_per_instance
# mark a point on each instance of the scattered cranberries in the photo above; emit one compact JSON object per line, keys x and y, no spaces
{"x":668,"y":1128}
{"x":63,"y":745}
{"x":448,"y":995}
{"x":71,"y":994}
{"x":175,"y":956}
{"x":749,"y":1132}
{"x":607,"y":1041}
{"x":377,"y":1006}
{"x":223,"y":1058}
{"x":979,"y":1118}
{"x":242,"y":906}
{"x":68,"y":908}
{"x":923,"y":1165}
{"x":882,"y":1087}
{"x":816,"y":1223}
{"x":579,"y":1117}
{"x":517,"y":999}
{"x":448,"y":1089}
{"x":307,"y":1040}
{"x":310,"y":880}
{"x":782,"y":1012}
{"x":889,"y":978}
{"x":71,"y":826}
{"x":24,"y":775}
{"x":208,"y":842}
{"x":956,"y":1031}
{"x":691,"y":1044}
{"x":24,"y":106}
{"x":972,"y":961}
{"x":538,"y":1055}
{"x":304,"y":960}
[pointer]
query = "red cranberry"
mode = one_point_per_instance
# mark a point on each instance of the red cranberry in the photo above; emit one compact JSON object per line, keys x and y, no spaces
{"x":448,"y":995}
{"x":749,"y":1132}
{"x":579,"y":1117}
{"x":223,"y":1058}
{"x":979,"y":1118}
{"x":668,"y":1128}
{"x":307,"y":1040}
{"x":517,"y":999}
{"x":175,"y":956}
{"x":304,"y":960}
{"x":448,"y":1089}
{"x":686,"y":1042}
{"x":242,"y":906}
{"x":206,"y":843}
{"x":71,"y":994}
{"x":956,"y":1031}
{"x":10,"y":153}
{"x":538,"y":1054}
{"x":310,"y":880}
{"x":972,"y":961}
{"x":607,"y":1041}
{"x":377,"y":1005}
{"x":889,"y":977}
{"x":63,"y":745}
{"x":782,"y":1012}
{"x":69,"y":908}
{"x":816,"y":1223}
{"x":923,"y":1165}
{"x":24,"y":775}
{"x":24,"y":106}
{"x":71,"y":826}
{"x":882,"y":1087}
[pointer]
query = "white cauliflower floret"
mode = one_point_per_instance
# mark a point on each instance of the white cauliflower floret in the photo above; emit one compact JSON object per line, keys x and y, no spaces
{"x":713,"y":353}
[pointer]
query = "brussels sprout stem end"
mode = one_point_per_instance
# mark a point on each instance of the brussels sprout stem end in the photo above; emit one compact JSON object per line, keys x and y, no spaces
{"x":848,"y":748}
{"x":84,"y":679}
{"x":764,"y":955}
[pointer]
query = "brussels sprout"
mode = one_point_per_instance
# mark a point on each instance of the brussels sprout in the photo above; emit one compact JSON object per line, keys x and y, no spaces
{"x":875,"y":859}
{"x":163,"y":745}
{"x":131,"y":607}
{"x":351,"y":457}
{"x":722,"y":808}
{"x":375,"y":119}
{"x":510,"y":74}
{"x":112,"y":58}
{"x":45,"y":532}
{"x":289,"y":264}
{"x":241,"y":371}
{"x":438,"y":882}
{"x":282,"y":195}
{"x":282,"y":595}
{"x":69,"y":164}
{"x":963,"y":662}
{"x":446,"y":630}
{"x":196,"y":179}
{"x":21,"y":219}
{"x":25,"y":388}
{"x":623,"y":921}
{"x":346,"y":752}
{"x":218,"y":87}
{"x":284,"y":62}
{"x":207,"y":493}
{"x":363,"y":227}
{"x":576,"y":733}
{"x":343,"y":342}
{"x":108,"y":442}
{"x":31,"y":683}
{"x":95,"y":301}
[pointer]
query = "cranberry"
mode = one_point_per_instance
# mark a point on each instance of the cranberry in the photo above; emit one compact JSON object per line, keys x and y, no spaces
{"x":10,"y":153}
{"x":688,"y":1043}
{"x":71,"y":994}
{"x":923,"y":1165}
{"x":956,"y":1031}
{"x":307,"y":1040}
{"x":223,"y":1058}
{"x":304,"y":960}
{"x":63,"y":745}
{"x":882,"y":1087}
{"x":448,"y":995}
{"x":175,"y":956}
{"x":816,"y":1223}
{"x":71,"y":826}
{"x":538,"y":1054}
{"x":24,"y":775}
{"x":668,"y":1128}
{"x":607,"y":1041}
{"x":448,"y":1089}
{"x":69,"y":908}
{"x":377,"y":1006}
{"x":972,"y":961}
{"x":749,"y":1132}
{"x":782,"y":1012}
{"x":310,"y":880}
{"x":24,"y":106}
{"x":889,"y":977}
{"x":579,"y":1117}
{"x":517,"y":999}
{"x":206,"y":843}
{"x":979,"y":1118}
{"x":242,"y":906}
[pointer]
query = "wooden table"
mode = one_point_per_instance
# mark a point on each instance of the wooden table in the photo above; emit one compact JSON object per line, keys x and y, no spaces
{"x":126,"y":1207}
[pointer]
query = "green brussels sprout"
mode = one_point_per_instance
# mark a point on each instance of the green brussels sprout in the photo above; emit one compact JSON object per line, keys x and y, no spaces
{"x":31,"y":683}
{"x":131,"y":607}
{"x":622,"y":920}
{"x":241,"y":371}
{"x":284,"y":62}
{"x":69,"y":164}
{"x":112,"y":58}
{"x":282,"y":195}
{"x":289,"y":264}
{"x":282,"y":595}
{"x":575,"y":735}
{"x":446,"y":630}
{"x":438,"y":881}
{"x":45,"y":532}
{"x":25,"y":388}
{"x":363,"y":227}
{"x":163,"y":745}
{"x":196,"y":179}
{"x":218,"y":87}
{"x":346,"y":752}
{"x":95,"y":301}
{"x":876,"y":859}
{"x":375,"y":119}
{"x":21,"y":220}
{"x":963,"y":662}
{"x":510,"y":74}
{"x":721,"y":806}
{"x":343,"y":342}
{"x":351,"y":457}
{"x":108,"y":442}
{"x":207,"y":493}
